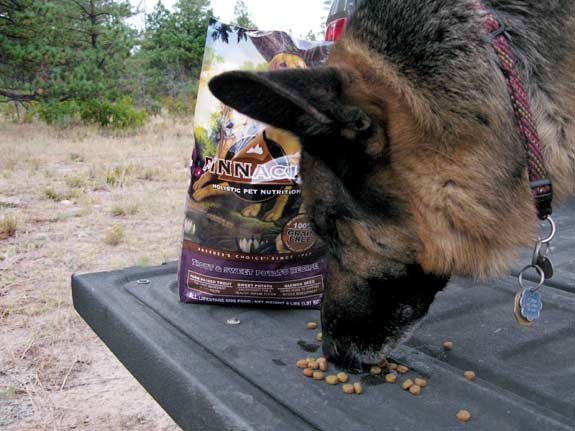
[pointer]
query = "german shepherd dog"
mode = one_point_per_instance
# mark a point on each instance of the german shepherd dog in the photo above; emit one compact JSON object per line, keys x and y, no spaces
{"x":412,"y":163}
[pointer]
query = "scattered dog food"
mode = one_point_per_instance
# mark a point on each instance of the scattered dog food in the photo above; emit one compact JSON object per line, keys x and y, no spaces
{"x":342,"y":377}
{"x":391,"y":378}
{"x":469,"y":375}
{"x":463,"y":415}
{"x":375,"y":371}
{"x":322,"y":362}
{"x":308,"y":372}
{"x":392,"y":366}
{"x":348,"y":388}
{"x":317,"y":375}
{"x":415,"y":389}
{"x":302,"y":363}
{"x":402,"y":369}
{"x":407,"y":384}
{"x":358,"y":388}
{"x":332,"y":380}
{"x":311,"y":325}
{"x":448,"y":345}
{"x":421,"y":382}
{"x":319,"y":336}
{"x":313,"y":364}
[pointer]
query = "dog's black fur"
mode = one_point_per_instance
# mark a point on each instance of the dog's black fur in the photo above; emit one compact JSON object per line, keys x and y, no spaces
{"x":412,"y":165}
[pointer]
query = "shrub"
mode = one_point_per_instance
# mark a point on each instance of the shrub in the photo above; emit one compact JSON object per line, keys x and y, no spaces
{"x":153,"y":107}
{"x":178,"y":107}
{"x":7,"y":109}
{"x":62,"y":114}
{"x":120,"y":115}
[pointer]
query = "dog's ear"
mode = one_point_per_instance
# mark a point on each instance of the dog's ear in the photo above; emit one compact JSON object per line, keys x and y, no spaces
{"x":305,"y":102}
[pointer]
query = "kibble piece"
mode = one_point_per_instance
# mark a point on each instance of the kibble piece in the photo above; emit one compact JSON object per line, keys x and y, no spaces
{"x":469,"y":375}
{"x":358,"y":388}
{"x":376,"y":371}
{"x":319,"y":336}
{"x":317,"y":375}
{"x":463,"y":415}
{"x":402,"y":369}
{"x":342,"y":377}
{"x":322,"y":362}
{"x":313,"y":364}
{"x":308,"y":372}
{"x":311,"y":325}
{"x":302,"y":363}
{"x":407,"y":384}
{"x":421,"y":382}
{"x":391,"y":378}
{"x":392,"y":366}
{"x":448,"y":345}
{"x":331,"y":380}
{"x":415,"y":389}
{"x":348,"y":389}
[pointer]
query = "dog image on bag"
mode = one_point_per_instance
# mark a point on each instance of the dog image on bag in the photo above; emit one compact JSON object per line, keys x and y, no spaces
{"x":281,"y":53}
{"x":413,"y":165}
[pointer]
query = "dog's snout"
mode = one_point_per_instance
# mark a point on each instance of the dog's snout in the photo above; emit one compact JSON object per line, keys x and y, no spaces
{"x":329,"y":349}
{"x":340,"y":355}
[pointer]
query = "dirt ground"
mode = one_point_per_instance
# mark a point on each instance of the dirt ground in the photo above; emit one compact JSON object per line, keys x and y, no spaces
{"x":80,"y":200}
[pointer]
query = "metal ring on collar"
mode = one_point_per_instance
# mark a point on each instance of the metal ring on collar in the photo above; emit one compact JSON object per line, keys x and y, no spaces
{"x":553,"y":231}
{"x":539,"y":271}
{"x":538,"y":252}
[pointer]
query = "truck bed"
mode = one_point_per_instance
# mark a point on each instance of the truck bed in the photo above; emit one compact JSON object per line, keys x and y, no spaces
{"x":210,"y":375}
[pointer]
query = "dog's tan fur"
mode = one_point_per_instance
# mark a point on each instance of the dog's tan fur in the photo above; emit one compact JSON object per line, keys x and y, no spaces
{"x":464,"y":226}
{"x":555,"y":119}
{"x":413,"y":165}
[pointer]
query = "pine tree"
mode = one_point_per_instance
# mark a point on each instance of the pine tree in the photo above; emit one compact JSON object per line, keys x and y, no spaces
{"x":55,"y":50}
{"x":242,"y":16}
{"x":172,"y":52}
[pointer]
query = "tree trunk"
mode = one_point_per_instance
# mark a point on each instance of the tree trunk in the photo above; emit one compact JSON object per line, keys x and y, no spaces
{"x":94,"y":22}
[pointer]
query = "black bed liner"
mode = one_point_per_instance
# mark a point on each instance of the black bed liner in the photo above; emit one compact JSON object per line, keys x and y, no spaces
{"x":209,"y":375}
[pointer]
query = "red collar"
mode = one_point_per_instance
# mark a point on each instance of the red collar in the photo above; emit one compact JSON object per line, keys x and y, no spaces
{"x":538,"y":178}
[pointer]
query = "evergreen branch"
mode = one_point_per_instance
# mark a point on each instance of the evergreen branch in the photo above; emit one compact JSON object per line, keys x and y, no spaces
{"x":13,"y":96}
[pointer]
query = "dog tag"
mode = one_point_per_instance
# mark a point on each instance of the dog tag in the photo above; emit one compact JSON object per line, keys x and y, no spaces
{"x":546,"y":266}
{"x":517,"y":311}
{"x":531,"y":305}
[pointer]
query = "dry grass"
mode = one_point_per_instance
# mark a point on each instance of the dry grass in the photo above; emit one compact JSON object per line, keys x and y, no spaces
{"x":70,"y":188}
{"x":8,"y":226}
{"x":115,"y":235}
{"x":125,"y":210}
{"x":76,"y":181}
{"x":51,"y":194}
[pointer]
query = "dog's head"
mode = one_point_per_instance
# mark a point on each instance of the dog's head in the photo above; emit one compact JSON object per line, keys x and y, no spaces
{"x":403,"y":180}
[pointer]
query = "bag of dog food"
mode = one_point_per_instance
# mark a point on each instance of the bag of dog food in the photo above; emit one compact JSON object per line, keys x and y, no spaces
{"x":247,"y":239}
